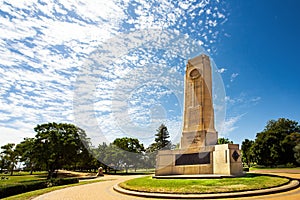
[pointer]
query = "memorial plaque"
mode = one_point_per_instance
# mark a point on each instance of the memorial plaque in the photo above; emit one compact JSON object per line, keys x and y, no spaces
{"x":193,"y":158}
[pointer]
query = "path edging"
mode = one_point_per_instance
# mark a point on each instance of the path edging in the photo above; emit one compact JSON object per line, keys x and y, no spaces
{"x":293,"y":184}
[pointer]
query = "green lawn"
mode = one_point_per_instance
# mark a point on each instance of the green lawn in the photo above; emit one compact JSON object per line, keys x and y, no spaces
{"x":274,"y":168}
{"x":21,"y":177}
{"x":201,"y":186}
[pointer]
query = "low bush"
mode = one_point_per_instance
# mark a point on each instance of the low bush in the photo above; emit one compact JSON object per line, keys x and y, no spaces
{"x":290,"y":165}
{"x":9,"y":190}
{"x":61,"y":181}
{"x":246,"y":169}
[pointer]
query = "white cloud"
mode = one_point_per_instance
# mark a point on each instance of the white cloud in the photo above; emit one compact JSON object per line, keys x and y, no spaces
{"x":221,"y":70}
{"x":255,"y":99}
{"x":233,"y":76}
{"x":229,"y":125}
{"x":44,"y":47}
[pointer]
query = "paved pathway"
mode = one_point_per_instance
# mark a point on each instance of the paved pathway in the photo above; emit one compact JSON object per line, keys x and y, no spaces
{"x":289,"y":195}
{"x":104,"y":190}
{"x":100,"y":190}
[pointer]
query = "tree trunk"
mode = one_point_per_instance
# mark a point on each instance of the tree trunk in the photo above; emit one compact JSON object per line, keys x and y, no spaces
{"x":12,"y":169}
{"x":50,"y":173}
{"x":31,"y":168}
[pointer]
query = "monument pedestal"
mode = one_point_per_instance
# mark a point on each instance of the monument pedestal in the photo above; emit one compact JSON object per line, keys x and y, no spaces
{"x":222,"y":159}
{"x":185,"y":161}
{"x":227,"y":160}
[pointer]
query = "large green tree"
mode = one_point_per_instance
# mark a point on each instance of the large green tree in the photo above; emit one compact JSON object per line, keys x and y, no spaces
{"x":132,"y":151}
{"x":10,"y":156}
{"x":162,"y":142}
{"x":3,"y":163}
{"x":59,"y":144}
{"x":297,"y":153}
{"x":101,"y":155}
{"x":113,"y":157}
{"x":27,"y":153}
{"x":274,"y":145}
{"x":162,"y":138}
{"x":247,"y":154}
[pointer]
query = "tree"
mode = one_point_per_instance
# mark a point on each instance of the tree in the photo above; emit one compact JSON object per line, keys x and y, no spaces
{"x":161,"y":143}
{"x":132,"y":151}
{"x":10,"y":155}
{"x":224,"y":141}
{"x":114,"y":157}
{"x":27,"y":153}
{"x":247,"y":155}
{"x":101,"y":155}
{"x":85,"y":161}
{"x":161,"y":138}
{"x":3,"y":163}
{"x":274,"y":145}
{"x":150,"y":156}
{"x":297,"y":153}
{"x":288,"y":145}
{"x":58,"y":145}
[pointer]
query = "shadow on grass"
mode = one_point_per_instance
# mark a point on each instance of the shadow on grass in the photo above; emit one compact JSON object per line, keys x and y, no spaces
{"x":130,"y":173}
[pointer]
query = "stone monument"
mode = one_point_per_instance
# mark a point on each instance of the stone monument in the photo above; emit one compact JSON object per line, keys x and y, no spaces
{"x":199,"y":152}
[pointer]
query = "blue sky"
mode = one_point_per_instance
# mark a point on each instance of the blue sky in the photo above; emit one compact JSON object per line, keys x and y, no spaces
{"x":115,"y":68}
{"x":262,"y":47}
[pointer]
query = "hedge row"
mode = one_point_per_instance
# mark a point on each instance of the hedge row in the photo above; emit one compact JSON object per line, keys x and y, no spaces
{"x":11,"y":190}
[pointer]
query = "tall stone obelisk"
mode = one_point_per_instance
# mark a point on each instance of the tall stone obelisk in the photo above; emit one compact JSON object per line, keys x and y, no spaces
{"x":198,"y":120}
{"x":199,"y":152}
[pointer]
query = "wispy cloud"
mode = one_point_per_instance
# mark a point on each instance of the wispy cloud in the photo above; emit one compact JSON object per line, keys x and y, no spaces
{"x":221,"y":70}
{"x":229,"y":125}
{"x":45,"y":45}
{"x":233,"y":76}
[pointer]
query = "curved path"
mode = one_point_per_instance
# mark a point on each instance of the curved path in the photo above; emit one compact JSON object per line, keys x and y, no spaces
{"x":99,"y":190}
{"x":104,"y":190}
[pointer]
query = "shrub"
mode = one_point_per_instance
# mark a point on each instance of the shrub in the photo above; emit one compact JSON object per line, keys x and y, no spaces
{"x":246,"y":169}
{"x":61,"y":181}
{"x":9,"y":190}
{"x":290,"y":165}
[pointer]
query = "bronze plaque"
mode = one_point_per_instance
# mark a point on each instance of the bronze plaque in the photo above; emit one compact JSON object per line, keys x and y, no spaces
{"x":193,"y":158}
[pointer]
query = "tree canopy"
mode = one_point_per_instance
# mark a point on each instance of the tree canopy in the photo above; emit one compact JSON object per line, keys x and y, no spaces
{"x":57,"y":145}
{"x":224,"y":141}
{"x":10,"y":155}
{"x":247,"y":154}
{"x":274,"y":145}
{"x":161,"y":138}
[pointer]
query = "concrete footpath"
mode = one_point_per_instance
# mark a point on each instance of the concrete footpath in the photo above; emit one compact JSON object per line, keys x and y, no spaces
{"x":105,"y":191}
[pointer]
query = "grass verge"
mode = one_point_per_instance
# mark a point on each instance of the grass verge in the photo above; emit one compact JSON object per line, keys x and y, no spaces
{"x":32,"y":194}
{"x":203,"y":186}
{"x":20,"y":178}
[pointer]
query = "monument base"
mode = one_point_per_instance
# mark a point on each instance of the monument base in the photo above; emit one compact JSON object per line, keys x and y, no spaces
{"x":222,"y":159}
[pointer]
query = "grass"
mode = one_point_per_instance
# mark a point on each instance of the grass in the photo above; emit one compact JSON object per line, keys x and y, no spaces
{"x":21,"y":177}
{"x":32,"y":194}
{"x":203,"y":186}
{"x":272,"y":168}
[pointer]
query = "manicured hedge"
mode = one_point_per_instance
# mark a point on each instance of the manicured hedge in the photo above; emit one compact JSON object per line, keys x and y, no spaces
{"x":62,"y":181}
{"x":246,"y":169}
{"x":10,"y":190}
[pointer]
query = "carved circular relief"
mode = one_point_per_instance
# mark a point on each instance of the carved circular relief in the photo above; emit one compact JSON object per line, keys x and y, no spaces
{"x":194,"y":74}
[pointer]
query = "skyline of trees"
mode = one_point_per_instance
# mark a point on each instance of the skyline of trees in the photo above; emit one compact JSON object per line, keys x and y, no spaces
{"x":276,"y":145}
{"x":61,"y":145}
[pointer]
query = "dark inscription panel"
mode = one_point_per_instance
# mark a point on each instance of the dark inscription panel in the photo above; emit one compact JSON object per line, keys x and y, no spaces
{"x":193,"y":159}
